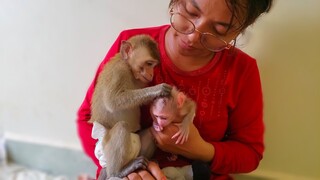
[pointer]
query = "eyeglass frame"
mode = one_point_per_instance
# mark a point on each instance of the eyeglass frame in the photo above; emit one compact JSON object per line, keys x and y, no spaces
{"x":227,"y":45}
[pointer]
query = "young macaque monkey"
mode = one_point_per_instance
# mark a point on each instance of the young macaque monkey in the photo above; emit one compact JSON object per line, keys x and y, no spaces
{"x":178,"y":109}
{"x":119,"y":92}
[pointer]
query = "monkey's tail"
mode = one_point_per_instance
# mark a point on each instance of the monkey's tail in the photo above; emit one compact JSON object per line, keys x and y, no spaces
{"x":116,"y":148}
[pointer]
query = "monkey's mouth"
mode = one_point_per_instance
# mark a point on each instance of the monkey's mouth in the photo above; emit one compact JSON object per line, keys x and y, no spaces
{"x":145,"y":79}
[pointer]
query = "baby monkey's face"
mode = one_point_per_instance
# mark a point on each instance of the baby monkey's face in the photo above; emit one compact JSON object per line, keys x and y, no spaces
{"x":161,"y":113}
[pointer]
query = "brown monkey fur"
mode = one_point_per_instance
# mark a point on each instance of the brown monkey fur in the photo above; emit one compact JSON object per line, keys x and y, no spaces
{"x":119,"y":92}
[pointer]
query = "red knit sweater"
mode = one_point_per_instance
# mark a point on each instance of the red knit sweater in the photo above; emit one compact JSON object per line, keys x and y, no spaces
{"x":229,"y":106}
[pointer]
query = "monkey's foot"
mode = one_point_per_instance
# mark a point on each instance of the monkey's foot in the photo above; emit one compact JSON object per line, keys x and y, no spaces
{"x":137,"y":163}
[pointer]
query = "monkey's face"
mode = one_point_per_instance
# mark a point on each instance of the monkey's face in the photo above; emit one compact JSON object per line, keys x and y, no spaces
{"x":142,"y":65}
{"x":162,"y":115}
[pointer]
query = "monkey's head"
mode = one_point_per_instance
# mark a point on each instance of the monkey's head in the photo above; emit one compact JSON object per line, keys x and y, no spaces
{"x":163,"y":111}
{"x":142,"y":55}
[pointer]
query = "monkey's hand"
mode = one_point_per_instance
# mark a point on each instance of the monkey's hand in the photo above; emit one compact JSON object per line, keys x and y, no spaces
{"x":156,"y":126}
{"x":137,"y":163}
{"x":163,"y":89}
{"x":182,"y":134}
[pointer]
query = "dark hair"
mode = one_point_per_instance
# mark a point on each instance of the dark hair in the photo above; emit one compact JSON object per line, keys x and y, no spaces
{"x":245,"y":12}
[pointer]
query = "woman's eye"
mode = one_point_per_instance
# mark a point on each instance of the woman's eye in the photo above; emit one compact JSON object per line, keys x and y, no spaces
{"x":191,"y":10}
{"x":149,"y":63}
{"x":191,"y":13}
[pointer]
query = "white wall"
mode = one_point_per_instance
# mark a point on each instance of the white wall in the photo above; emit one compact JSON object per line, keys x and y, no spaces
{"x":286,"y":44}
{"x":50,"y":49}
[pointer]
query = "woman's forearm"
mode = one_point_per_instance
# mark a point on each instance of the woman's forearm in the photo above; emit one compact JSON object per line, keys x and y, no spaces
{"x":195,"y":148}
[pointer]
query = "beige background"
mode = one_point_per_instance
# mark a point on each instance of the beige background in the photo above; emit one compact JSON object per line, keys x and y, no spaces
{"x":49,"y":51}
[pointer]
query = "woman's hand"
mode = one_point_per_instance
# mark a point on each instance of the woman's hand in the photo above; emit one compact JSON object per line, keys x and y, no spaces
{"x":153,"y":173}
{"x":195,"y":148}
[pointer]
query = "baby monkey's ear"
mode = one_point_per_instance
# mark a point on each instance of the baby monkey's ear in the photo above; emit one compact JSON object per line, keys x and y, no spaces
{"x":125,"y":49}
{"x":181,"y":98}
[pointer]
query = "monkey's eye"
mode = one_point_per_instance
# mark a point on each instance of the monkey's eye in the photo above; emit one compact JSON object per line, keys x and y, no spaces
{"x":162,"y":118}
{"x":149,"y":63}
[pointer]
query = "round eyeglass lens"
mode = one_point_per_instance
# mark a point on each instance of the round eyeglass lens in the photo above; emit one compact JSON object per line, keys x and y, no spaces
{"x":182,"y":24}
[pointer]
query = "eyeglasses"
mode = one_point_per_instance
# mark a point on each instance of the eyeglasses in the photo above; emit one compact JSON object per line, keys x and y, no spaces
{"x":185,"y":26}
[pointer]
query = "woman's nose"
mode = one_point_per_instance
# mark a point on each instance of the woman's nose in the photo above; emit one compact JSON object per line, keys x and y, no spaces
{"x":194,"y":37}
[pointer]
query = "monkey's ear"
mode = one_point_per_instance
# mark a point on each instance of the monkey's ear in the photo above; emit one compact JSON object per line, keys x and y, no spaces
{"x":181,"y":98}
{"x":125,"y":49}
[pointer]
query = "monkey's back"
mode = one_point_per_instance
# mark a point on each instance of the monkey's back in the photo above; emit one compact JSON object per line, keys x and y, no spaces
{"x":115,"y":77}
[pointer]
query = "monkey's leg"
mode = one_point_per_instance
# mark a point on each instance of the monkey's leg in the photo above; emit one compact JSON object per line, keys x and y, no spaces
{"x":118,"y":148}
{"x":103,"y":174}
{"x":148,"y":145}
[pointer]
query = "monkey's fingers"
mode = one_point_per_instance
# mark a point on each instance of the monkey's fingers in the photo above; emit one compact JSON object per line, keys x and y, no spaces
{"x":137,"y":163}
{"x":176,"y":135}
{"x":182,"y":139}
{"x":185,"y":138}
{"x":166,"y":89}
{"x":141,"y":162}
{"x":180,"y":135}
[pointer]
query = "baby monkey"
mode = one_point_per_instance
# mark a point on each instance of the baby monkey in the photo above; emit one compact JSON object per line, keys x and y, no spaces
{"x":119,"y":92}
{"x":178,"y":109}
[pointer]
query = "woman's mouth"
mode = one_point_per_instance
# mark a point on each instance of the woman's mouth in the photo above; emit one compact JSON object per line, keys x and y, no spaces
{"x":186,"y":46}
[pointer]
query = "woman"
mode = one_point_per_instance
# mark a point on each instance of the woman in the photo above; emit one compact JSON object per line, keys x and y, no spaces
{"x":198,"y":56}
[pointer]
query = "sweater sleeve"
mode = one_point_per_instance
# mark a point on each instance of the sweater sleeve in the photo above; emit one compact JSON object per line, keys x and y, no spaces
{"x":84,"y":112}
{"x":243,"y":147}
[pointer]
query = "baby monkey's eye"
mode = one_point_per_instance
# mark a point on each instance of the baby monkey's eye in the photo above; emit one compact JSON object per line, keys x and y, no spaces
{"x":163,"y":118}
{"x":149,"y":63}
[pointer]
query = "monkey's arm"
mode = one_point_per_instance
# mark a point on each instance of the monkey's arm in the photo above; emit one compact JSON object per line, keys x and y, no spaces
{"x":135,"y":97}
{"x":183,"y":133}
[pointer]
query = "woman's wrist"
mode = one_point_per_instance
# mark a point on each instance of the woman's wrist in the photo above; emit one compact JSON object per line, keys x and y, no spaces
{"x":209,"y":152}
{"x":200,"y":150}
{"x":195,"y":148}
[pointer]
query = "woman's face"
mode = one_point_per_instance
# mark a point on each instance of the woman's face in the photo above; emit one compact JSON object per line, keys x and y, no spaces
{"x":208,"y":16}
